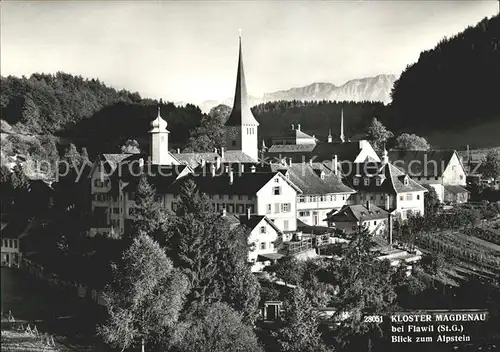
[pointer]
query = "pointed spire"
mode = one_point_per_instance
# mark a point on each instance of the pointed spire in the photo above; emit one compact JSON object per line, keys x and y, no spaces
{"x":342,"y":138}
{"x":241,"y":113}
{"x":385,"y":156}
{"x":159,"y":108}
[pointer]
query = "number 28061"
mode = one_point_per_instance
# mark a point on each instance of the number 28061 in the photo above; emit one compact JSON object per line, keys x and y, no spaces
{"x":372,"y":319}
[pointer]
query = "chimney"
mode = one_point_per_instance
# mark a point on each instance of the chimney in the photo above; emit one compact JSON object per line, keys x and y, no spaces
{"x":222,"y":152}
{"x":203,"y":162}
{"x":223,"y":212}
{"x":215,"y":150}
{"x":335,"y":164}
{"x":141,"y":163}
{"x":217,"y":162}
{"x":368,"y":205}
{"x":212,"y":170}
{"x":226,"y":169}
{"x":390,"y":224}
{"x":298,"y":127}
{"x":248,"y":213}
{"x":293,"y":127}
{"x":178,"y":150}
{"x":330,"y":138}
{"x":290,"y":161}
{"x":311,"y":162}
{"x":385,"y":157}
{"x":231,"y":177}
{"x":242,"y":168}
{"x":252,"y":169}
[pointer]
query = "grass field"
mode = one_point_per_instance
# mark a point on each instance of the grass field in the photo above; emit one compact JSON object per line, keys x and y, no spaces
{"x":70,"y":320}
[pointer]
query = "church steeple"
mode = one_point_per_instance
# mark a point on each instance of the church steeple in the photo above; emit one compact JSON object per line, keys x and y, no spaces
{"x":241,"y":113}
{"x":241,"y":126}
{"x":342,"y":137}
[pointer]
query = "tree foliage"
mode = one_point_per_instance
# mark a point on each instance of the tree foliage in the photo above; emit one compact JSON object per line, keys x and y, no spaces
{"x":217,"y":328}
{"x":431,"y":200}
{"x":131,"y":146}
{"x":407,"y":141}
{"x":378,"y":134}
{"x":150,"y":216}
{"x":490,"y":166}
{"x":144,"y":298}
{"x":211,"y":254}
{"x":451,"y":85}
{"x":299,"y":331}
{"x":210,"y":134}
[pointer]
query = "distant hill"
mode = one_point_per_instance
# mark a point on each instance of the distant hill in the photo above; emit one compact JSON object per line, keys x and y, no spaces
{"x":376,"y":89}
{"x":452,"y":86}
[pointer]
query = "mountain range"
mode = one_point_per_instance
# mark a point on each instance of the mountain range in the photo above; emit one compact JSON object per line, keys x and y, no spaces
{"x":376,"y":88}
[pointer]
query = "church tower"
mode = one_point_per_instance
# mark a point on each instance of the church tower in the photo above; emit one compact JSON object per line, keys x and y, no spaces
{"x":241,"y":126}
{"x":159,"y":141}
{"x":342,"y":138}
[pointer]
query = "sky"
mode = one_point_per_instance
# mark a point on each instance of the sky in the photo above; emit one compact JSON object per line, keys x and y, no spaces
{"x":186,"y":51}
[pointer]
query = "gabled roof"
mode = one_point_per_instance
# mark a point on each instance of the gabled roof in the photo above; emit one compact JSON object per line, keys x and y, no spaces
{"x":321,"y":151}
{"x":392,"y":179}
{"x":241,"y":113}
{"x":455,"y":189}
{"x":248,"y":183}
{"x":355,"y":213}
{"x":255,"y":220}
{"x":307,"y":178}
{"x":422,"y":163}
{"x":291,"y":148}
{"x":294,"y":134}
{"x":230,"y":157}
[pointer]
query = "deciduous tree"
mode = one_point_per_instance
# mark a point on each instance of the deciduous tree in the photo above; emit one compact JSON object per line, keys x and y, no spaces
{"x":216,"y":328}
{"x":144,"y":298}
{"x":378,"y":134}
{"x":411,"y":142}
{"x":491,"y":164}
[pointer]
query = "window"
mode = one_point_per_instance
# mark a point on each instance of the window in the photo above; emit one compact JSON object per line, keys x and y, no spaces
{"x":378,"y":182}
{"x":262,"y":229}
{"x":276,"y":180}
{"x":367,"y":181}
{"x":302,"y":199}
{"x":230,"y":208}
{"x":406,"y":181}
{"x":436,"y":178}
{"x":240,"y":197}
{"x":285,"y":207}
{"x":250,"y":197}
{"x":116,"y":210}
{"x":401,"y":197}
{"x":372,"y":197}
{"x":276,"y":208}
{"x":230,"y":197}
{"x":323,"y":199}
{"x":304,"y":213}
{"x":268,"y":208}
{"x":374,"y":222}
{"x":285,"y":224}
{"x":131,"y":210}
{"x":241,"y":208}
{"x":355,"y":181}
{"x":233,"y":143}
{"x":334,"y":198}
{"x":409,"y":196}
{"x":277,"y":190}
{"x":418,"y":196}
{"x":263,"y":245}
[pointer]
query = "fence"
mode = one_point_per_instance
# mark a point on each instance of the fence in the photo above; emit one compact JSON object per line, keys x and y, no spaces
{"x":53,"y":280}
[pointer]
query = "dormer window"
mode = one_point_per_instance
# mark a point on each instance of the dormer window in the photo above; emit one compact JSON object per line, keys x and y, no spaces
{"x":355,"y":181}
{"x":406,"y":181}
{"x":366,"y":181}
{"x":322,"y":175}
{"x":378,"y":181}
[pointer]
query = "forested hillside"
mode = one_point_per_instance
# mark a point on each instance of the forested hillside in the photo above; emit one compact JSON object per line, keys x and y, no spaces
{"x":86,"y":111}
{"x":315,"y":117}
{"x":454,"y":85}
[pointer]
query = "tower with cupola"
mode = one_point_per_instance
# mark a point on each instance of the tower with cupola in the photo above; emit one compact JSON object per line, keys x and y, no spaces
{"x":159,"y":141}
{"x":241,"y":126}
